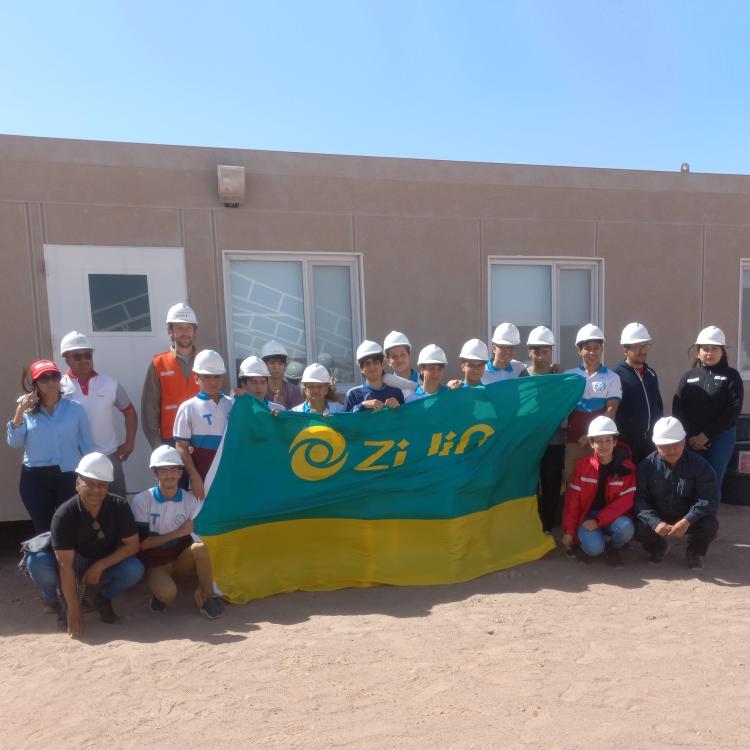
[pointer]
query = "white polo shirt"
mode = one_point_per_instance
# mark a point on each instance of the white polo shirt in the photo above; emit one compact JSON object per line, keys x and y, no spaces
{"x":202,"y":421}
{"x":103,"y":394}
{"x":163,"y":516}
{"x":493,"y":375}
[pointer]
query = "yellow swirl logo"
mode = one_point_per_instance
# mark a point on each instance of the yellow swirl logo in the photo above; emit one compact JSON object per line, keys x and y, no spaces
{"x":317,"y":453}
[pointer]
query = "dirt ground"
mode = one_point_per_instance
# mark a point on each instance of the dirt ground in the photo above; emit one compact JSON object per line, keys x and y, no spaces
{"x":552,"y":654}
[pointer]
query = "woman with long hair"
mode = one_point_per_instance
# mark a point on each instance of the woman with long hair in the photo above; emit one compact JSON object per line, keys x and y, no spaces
{"x":708,"y":401}
{"x":55,"y":434}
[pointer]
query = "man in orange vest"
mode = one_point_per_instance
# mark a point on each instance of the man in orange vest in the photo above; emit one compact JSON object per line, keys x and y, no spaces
{"x":169,"y":379}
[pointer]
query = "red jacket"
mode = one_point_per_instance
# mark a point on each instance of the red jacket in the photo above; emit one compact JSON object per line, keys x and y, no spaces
{"x":619,"y":492}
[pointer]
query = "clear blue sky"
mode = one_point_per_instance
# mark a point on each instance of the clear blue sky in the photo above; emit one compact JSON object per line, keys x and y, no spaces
{"x":643,"y":84}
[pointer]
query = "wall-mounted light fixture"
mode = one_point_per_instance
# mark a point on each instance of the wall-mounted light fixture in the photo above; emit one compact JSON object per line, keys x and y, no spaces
{"x":231,"y":185}
{"x":684,"y":167}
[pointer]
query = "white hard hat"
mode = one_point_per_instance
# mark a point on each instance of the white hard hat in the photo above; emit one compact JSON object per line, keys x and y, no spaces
{"x":209,"y":362}
{"x":368,"y":349}
{"x":254,"y":367}
{"x":96,"y":466}
{"x":74,"y":340}
{"x":540,"y":336}
{"x":396,"y":338}
{"x":506,"y":334}
{"x":712,"y":336}
{"x":181,"y":313}
{"x":273,"y":348}
{"x":316,"y":373}
{"x":601,"y":426}
{"x":293,"y":371}
{"x":668,"y":430}
{"x":165,"y":455}
{"x":589,"y":332}
{"x":432,"y":354}
{"x":474,"y":349}
{"x":634,"y":333}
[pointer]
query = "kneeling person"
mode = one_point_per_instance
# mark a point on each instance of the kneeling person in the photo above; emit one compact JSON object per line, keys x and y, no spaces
{"x":164,"y":515}
{"x":599,"y":498}
{"x":95,"y":540}
{"x":677,"y":496}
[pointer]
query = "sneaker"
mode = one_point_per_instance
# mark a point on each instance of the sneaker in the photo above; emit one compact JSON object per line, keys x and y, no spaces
{"x":658,"y":555}
{"x":212,"y":608}
{"x":156,"y":605}
{"x":694,"y":561}
{"x":614,"y":558}
{"x":106,"y":613}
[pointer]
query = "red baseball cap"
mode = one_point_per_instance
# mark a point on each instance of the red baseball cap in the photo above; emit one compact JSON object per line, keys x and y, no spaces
{"x":41,"y":366}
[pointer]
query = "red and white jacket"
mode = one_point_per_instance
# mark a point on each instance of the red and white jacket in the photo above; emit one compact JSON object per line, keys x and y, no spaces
{"x":619,"y":492}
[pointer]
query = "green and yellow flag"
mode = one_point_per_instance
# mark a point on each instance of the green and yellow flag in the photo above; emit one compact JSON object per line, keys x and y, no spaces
{"x":439,"y":490}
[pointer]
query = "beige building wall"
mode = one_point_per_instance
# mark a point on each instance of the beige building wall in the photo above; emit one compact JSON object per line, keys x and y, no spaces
{"x":671,"y":243}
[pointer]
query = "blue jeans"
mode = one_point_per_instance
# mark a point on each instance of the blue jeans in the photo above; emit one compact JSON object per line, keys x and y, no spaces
{"x":593,"y":543}
{"x":719,"y":453}
{"x":115,"y":580}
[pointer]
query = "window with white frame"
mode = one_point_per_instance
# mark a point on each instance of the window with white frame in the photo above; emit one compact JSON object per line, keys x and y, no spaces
{"x":560,"y":293}
{"x":743,"y":351}
{"x":310,"y":303}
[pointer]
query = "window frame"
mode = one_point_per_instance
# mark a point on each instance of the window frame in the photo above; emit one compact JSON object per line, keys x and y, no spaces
{"x":557,"y":263}
{"x":308,"y":261}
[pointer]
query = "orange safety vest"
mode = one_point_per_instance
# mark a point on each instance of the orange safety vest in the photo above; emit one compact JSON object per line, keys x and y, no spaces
{"x":175,"y":388}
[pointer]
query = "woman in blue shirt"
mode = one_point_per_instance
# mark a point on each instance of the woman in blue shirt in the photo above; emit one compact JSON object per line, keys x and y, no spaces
{"x":55,"y":434}
{"x":316,"y":384}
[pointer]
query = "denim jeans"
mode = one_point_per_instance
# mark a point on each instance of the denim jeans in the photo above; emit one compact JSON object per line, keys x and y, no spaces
{"x":115,"y":580}
{"x":593,"y":543}
{"x":719,"y":453}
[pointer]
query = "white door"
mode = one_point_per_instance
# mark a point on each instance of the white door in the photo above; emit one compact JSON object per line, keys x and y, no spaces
{"x":118,"y":297}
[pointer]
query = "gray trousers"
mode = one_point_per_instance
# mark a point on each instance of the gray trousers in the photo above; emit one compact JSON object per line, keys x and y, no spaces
{"x":117,"y":487}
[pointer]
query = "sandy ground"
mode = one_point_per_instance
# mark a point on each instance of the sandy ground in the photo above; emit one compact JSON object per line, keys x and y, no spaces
{"x":553,"y":654}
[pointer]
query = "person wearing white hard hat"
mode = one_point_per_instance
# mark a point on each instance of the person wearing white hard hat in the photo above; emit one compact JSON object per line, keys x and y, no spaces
{"x":677,"y":496}
{"x":473,"y":360}
{"x":54,"y":433}
{"x":94,"y":542}
{"x":169,"y":378}
{"x":374,"y":394}
{"x":201,"y":420}
{"x":502,"y":366}
{"x":164,"y":515}
{"x":316,"y":383}
{"x":397,"y":350}
{"x":599,"y":498}
{"x":432,"y":363}
{"x":708,"y":401}
{"x":280,"y":391}
{"x":253,"y":379}
{"x":99,"y":395}
{"x":641,"y":406}
{"x":601,"y":395}
{"x":539,"y":344}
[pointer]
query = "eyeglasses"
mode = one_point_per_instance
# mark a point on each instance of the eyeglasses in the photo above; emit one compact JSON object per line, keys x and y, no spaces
{"x":98,"y":529}
{"x":78,"y":356}
{"x":48,"y":376}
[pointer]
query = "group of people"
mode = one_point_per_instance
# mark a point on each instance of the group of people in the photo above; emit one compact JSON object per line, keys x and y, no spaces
{"x":617,"y":485}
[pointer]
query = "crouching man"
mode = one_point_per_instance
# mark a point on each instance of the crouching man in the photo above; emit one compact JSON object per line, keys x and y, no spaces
{"x":94,"y":542}
{"x":677,"y":496}
{"x":164,"y":515}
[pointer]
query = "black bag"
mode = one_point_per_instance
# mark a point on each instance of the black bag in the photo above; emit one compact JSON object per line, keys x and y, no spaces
{"x":39,"y":543}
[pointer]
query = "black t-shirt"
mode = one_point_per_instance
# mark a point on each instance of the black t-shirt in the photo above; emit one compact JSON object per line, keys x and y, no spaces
{"x":74,"y":528}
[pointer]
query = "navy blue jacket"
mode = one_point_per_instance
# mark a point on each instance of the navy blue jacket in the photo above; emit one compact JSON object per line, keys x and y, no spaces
{"x":668,"y":493}
{"x":641,"y":404}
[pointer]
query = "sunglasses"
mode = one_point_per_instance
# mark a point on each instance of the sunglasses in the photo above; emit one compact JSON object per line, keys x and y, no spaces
{"x":48,"y":376}
{"x":78,"y":356}
{"x":98,"y":529}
